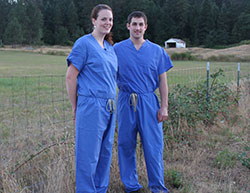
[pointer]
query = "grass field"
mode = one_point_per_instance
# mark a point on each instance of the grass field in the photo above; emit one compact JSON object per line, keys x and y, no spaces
{"x":16,"y":63}
{"x":37,"y":133}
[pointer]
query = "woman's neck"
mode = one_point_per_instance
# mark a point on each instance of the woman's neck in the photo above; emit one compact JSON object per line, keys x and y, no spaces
{"x":99,"y":38}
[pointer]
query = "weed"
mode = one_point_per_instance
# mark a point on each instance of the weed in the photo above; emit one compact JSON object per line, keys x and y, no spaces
{"x":225,"y":159}
{"x":244,"y":160}
{"x":174,"y":177}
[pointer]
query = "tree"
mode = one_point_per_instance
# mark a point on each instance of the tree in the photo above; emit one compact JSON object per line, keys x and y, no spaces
{"x":70,"y":20}
{"x":13,"y":33}
{"x":61,"y":36}
{"x":35,"y":23}
{"x":222,"y":30}
{"x":242,"y":27}
{"x":5,"y":8}
{"x":206,"y":21}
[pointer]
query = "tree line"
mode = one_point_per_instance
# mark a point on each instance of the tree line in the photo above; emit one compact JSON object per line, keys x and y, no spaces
{"x":60,"y":22}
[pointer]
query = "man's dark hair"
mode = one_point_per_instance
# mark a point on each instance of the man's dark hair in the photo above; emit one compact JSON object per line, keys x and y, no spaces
{"x":137,"y":14}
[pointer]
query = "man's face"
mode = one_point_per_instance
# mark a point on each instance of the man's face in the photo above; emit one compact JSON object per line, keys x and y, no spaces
{"x":137,"y":28}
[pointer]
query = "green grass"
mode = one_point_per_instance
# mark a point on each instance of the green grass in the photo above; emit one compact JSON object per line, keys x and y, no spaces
{"x":16,"y":63}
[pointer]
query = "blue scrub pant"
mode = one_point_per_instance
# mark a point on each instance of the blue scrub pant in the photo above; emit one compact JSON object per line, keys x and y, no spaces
{"x":143,"y":120}
{"x":95,"y":127}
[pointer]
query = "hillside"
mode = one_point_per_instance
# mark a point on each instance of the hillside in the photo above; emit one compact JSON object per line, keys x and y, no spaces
{"x":238,"y":53}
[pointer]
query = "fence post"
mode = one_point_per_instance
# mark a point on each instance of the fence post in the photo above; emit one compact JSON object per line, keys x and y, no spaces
{"x":238,"y":83}
{"x":238,"y":77}
{"x":208,"y":81}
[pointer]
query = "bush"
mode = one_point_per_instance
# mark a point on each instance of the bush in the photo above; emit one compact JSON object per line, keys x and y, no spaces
{"x":182,"y":56}
{"x":224,"y":58}
{"x":189,"y":106}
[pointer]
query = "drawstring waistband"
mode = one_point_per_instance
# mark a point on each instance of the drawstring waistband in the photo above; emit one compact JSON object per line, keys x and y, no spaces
{"x":110,"y":107}
{"x":133,"y":100}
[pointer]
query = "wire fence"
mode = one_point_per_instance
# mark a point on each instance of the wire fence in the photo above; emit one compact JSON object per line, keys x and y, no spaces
{"x":32,"y":109}
{"x":35,"y":111}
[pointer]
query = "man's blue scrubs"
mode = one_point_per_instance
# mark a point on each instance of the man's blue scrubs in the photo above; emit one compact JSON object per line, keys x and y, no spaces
{"x":95,"y":117}
{"x":137,"y":107}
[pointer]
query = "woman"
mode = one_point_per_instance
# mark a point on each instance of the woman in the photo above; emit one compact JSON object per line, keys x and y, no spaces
{"x":91,"y":86}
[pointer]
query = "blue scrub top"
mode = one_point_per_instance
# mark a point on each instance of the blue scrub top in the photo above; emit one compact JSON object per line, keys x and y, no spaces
{"x":97,"y":67}
{"x":139,"y":70}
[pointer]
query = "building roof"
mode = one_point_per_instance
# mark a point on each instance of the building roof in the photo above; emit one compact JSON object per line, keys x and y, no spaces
{"x":175,"y":40}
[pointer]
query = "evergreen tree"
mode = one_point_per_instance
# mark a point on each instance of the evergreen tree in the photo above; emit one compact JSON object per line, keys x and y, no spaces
{"x":222,"y":34}
{"x":35,"y":23}
{"x":48,"y":29}
{"x":13,"y":33}
{"x":181,"y":18}
{"x":61,"y":36}
{"x":242,"y":27}
{"x":5,"y":8}
{"x":207,"y":21}
{"x":193,"y":22}
{"x":52,"y":20}
{"x":71,"y":20}
{"x":19,"y":10}
{"x":165,"y":25}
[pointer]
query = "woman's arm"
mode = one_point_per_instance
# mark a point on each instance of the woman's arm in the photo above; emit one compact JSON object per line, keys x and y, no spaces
{"x":71,"y":84}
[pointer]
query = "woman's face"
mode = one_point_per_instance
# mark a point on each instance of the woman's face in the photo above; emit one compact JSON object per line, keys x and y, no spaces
{"x":104,"y":21}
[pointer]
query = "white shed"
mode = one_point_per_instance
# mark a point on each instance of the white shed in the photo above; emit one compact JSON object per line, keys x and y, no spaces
{"x":175,"y":43}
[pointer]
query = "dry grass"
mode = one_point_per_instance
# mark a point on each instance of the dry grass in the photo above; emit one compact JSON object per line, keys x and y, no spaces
{"x":52,"y":170}
{"x":238,"y":53}
{"x":52,"y":50}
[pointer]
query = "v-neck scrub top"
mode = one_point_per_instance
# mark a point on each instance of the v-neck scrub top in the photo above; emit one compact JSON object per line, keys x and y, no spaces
{"x":137,"y":107}
{"x":139,"y":70}
{"x":95,"y":120}
{"x":97,"y":67}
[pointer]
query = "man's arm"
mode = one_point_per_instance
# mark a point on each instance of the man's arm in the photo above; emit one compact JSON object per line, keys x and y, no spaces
{"x":71,"y":83}
{"x":163,"y":88}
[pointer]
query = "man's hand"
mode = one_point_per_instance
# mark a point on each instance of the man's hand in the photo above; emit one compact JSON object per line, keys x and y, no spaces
{"x":162,"y":114}
{"x":74,"y":114}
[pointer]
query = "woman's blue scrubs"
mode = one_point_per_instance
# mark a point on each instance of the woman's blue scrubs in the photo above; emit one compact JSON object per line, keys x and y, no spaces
{"x":95,"y":117}
{"x":137,"y":107}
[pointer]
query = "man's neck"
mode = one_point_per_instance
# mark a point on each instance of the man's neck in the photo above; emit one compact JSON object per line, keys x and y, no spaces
{"x":137,"y":42}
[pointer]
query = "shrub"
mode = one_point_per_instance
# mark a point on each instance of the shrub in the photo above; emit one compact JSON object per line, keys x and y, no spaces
{"x":182,"y":56}
{"x":189,"y":106}
{"x":224,"y":58}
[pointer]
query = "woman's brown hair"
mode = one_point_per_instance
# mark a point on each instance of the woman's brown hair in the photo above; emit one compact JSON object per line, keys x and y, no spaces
{"x":94,"y":14}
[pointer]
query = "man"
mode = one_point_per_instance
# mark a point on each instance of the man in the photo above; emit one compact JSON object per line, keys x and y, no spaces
{"x":142,"y":67}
